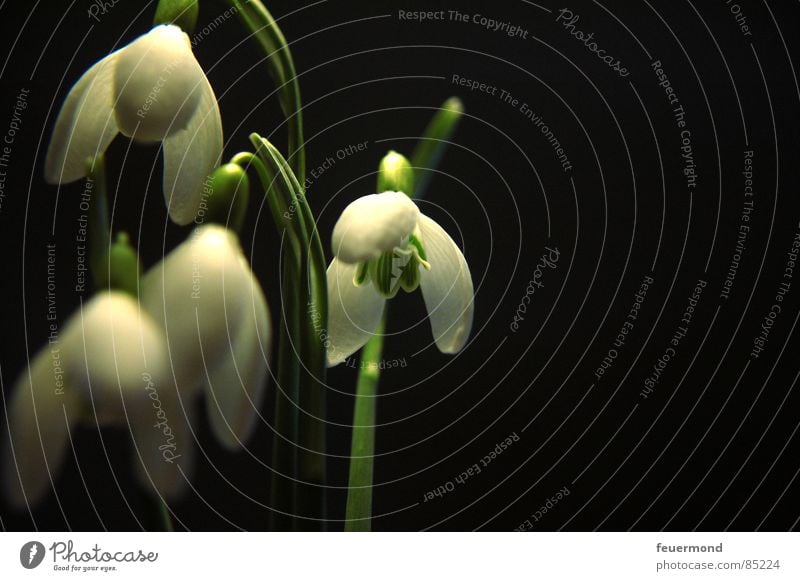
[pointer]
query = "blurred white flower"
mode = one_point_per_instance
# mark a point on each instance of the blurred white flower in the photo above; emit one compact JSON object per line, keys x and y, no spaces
{"x":151,"y":90}
{"x":382,"y":243}
{"x":217,"y":327}
{"x":201,"y":325}
{"x":94,"y":373}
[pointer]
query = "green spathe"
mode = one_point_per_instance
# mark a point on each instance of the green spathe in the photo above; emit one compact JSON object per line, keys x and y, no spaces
{"x":180,"y":12}
{"x":229,"y":194}
{"x":396,"y":174}
{"x":121,"y":267}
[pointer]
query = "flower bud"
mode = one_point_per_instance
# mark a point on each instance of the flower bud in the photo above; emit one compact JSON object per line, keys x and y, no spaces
{"x":180,"y":12}
{"x":120,"y":270}
{"x":396,"y":174}
{"x":230,"y":193}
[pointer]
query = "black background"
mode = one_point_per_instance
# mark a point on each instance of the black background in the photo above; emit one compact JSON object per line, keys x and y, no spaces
{"x":713,"y":447}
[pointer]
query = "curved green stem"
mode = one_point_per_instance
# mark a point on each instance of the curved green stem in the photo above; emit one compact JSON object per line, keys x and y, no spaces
{"x":301,"y":414}
{"x":433,"y":143}
{"x":281,"y":67}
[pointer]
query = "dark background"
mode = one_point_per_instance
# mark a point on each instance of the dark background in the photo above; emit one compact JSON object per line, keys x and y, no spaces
{"x":713,"y":447}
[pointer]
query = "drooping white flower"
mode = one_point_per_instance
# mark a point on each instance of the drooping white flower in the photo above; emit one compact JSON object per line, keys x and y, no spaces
{"x":382,"y":243}
{"x":201,"y":325}
{"x":96,"y":373}
{"x":151,"y":90}
{"x":217,"y":327}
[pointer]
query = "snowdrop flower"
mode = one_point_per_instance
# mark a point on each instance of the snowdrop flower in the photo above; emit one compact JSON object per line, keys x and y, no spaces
{"x":382,"y":243}
{"x":217,"y":327}
{"x":151,"y":90}
{"x":95,"y":372}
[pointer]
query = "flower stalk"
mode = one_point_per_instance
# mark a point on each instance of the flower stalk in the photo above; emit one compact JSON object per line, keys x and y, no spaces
{"x":300,"y":408}
{"x":394,"y":174}
{"x":258,"y":20}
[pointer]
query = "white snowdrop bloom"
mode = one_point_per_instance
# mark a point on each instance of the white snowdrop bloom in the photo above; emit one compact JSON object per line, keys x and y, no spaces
{"x":382,"y":243}
{"x":151,"y":90}
{"x":95,"y":372}
{"x":216,"y":322}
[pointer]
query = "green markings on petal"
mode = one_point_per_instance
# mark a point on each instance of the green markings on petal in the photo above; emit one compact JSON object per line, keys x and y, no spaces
{"x":399,"y":268}
{"x":380,"y":271}
{"x":361,"y":274}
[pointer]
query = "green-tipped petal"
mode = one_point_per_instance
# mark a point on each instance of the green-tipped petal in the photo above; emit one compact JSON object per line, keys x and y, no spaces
{"x":354,"y":312}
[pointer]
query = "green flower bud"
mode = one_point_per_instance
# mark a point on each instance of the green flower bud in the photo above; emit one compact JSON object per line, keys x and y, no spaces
{"x":395,"y":174}
{"x":228,"y":195}
{"x":120,"y":270}
{"x":180,"y":12}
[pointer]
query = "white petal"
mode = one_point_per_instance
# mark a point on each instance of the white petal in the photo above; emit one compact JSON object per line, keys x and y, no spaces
{"x":85,"y":126}
{"x":164,"y":447}
{"x":40,"y":408}
{"x":372,"y":225}
{"x":193,"y":294}
{"x":109,"y":348}
{"x":446,"y":287}
{"x":190,"y":155}
{"x":158,"y":84}
{"x":236,"y":379}
{"x":354,"y":312}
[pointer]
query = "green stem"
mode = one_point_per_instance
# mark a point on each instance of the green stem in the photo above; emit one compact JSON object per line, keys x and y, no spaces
{"x":431,"y":147}
{"x":427,"y":155}
{"x":282,"y":70}
{"x":99,"y":229}
{"x":301,"y":413}
{"x":362,"y":451}
{"x":313,"y":282}
{"x":283,"y":497}
{"x":283,"y":493}
{"x":166,"y":518}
